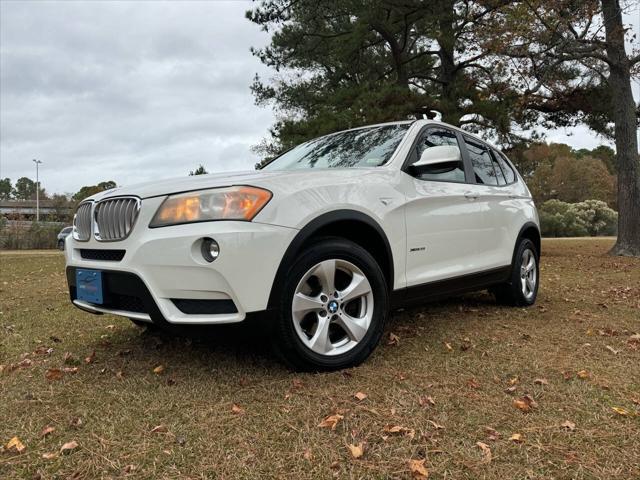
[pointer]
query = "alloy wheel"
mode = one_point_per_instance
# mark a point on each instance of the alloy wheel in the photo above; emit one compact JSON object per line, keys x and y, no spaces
{"x":528,"y":274}
{"x":332,"y":307}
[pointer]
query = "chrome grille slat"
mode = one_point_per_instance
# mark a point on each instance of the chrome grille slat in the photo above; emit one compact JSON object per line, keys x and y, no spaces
{"x":115,"y":218}
{"x":82,"y":222}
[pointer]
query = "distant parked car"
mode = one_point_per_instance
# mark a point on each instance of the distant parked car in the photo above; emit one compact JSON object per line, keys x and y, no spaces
{"x":64,"y":233}
{"x":325,"y":239}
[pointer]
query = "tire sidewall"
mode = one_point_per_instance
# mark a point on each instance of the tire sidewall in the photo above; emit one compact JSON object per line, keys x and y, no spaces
{"x":525,"y":244}
{"x":290,"y":343}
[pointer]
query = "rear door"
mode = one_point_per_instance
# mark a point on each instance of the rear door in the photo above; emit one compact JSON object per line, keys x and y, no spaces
{"x":443,"y":219}
{"x":492,"y":189}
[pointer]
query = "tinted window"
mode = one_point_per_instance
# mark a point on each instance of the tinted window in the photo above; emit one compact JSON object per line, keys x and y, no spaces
{"x":482,"y":162}
{"x":365,"y":147}
{"x":66,"y":230}
{"x":510,"y":175}
{"x":446,"y":172}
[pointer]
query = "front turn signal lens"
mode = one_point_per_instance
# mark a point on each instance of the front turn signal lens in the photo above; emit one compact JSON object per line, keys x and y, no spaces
{"x":231,"y":203}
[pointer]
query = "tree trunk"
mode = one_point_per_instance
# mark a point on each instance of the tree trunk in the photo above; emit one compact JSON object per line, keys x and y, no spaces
{"x":623,"y":116}
{"x":447,"y":41}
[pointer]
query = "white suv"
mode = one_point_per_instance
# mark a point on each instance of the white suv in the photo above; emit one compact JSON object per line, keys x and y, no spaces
{"x":323,"y":240}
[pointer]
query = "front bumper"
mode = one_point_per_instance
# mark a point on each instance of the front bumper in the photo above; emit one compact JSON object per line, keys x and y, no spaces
{"x":162,"y":266}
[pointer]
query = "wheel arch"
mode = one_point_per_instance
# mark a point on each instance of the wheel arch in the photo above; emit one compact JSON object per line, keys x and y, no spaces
{"x":531,"y":231}
{"x":352,"y":225}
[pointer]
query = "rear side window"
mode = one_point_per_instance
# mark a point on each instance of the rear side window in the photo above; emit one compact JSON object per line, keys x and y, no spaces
{"x":485,"y":168}
{"x":509,"y":174}
{"x":434,"y":137}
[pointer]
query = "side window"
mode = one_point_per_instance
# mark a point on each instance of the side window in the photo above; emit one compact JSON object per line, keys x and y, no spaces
{"x":446,"y":172}
{"x":509,"y":174}
{"x":483,"y":163}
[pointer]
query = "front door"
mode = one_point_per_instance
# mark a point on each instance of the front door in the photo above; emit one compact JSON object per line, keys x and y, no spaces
{"x":446,"y":227}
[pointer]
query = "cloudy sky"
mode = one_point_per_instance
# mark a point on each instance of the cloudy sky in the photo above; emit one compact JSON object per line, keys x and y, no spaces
{"x":133,"y":91}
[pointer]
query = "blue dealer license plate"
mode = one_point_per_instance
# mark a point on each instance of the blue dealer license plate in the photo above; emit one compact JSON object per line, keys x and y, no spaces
{"x":89,"y":286}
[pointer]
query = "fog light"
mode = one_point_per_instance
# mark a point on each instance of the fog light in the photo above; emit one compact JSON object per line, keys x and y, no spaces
{"x":210,"y":249}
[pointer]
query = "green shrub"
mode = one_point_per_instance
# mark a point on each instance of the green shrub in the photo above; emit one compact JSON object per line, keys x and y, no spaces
{"x":588,"y":218}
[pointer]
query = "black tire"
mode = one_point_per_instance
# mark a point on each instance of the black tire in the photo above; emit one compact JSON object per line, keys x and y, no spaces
{"x":60,"y":244}
{"x":511,"y":293}
{"x":287,"y":341}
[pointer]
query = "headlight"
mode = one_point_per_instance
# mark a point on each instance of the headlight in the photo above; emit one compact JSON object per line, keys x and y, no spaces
{"x":232,"y":203}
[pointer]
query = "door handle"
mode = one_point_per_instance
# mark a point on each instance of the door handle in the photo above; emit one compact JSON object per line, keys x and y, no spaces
{"x":471,"y":196}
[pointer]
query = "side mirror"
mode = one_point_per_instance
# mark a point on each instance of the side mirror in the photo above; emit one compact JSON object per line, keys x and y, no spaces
{"x":439,"y":154}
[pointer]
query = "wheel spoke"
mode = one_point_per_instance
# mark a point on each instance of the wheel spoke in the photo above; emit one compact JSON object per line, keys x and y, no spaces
{"x":358,"y":287}
{"x":530,"y":264}
{"x":320,"y":342}
{"x":530,"y":284}
{"x":355,"y":328}
{"x":326,"y":273}
{"x":303,"y":303}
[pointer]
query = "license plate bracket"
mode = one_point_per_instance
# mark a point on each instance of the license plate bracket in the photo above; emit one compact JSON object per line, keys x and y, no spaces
{"x":89,"y":286}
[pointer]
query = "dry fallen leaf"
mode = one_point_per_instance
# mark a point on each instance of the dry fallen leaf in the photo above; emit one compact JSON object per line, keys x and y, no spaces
{"x":418,"y":470}
{"x":53,"y":374}
{"x":159,"y":429}
{"x":426,"y":400}
{"x":69,"y":359}
{"x":356,"y":450}
{"x":525,"y":404}
{"x":90,"y":358}
{"x":360,"y":396}
{"x":308,"y":454}
{"x":583,"y":374}
{"x":15,"y":445}
{"x":331,"y":421}
{"x":237,"y":409}
{"x":541,"y":381}
{"x":448,"y":346}
{"x":613,"y":350}
{"x":158,"y":370}
{"x":569,"y":425}
{"x":516,"y":437}
{"x":69,"y":447}
{"x":621,"y":411}
{"x":393,"y":429}
{"x":47,"y":430}
{"x":437,"y":426}
{"x":473,"y":383}
{"x":393,"y":339}
{"x":49,"y":455}
{"x":486,"y":452}
{"x":492,"y":434}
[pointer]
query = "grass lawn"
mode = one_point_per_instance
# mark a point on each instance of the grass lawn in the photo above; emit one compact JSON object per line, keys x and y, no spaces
{"x":444,"y":390}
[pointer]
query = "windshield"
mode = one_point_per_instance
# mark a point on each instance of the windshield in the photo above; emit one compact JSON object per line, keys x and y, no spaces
{"x":365,"y":147}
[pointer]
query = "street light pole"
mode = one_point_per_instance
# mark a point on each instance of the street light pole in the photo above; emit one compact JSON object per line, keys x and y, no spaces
{"x":37,"y":162}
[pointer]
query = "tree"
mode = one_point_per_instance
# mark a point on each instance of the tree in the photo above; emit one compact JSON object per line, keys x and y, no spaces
{"x":344,"y":63}
{"x":198,"y":171}
{"x":575,"y":180}
{"x":572,"y":66}
{"x":89,"y":190}
{"x":24,"y":189}
{"x":5,"y":188}
{"x":62,"y":208}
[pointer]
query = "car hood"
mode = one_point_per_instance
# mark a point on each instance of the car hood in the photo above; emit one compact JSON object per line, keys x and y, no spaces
{"x":275,"y":181}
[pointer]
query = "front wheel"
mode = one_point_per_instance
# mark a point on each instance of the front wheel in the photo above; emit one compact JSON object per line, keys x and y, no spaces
{"x":522,"y":288}
{"x":333,"y":306}
{"x":60,"y":244}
